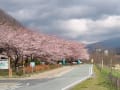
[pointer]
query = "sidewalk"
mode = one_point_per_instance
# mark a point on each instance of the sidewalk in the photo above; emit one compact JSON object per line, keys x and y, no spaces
{"x":47,"y":74}
{"x":53,"y":73}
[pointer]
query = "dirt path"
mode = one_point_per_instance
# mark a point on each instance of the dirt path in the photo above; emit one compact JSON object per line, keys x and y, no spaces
{"x":52,"y":73}
{"x":47,"y":74}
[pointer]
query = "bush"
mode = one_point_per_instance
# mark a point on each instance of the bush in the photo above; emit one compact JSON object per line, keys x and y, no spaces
{"x":20,"y":73}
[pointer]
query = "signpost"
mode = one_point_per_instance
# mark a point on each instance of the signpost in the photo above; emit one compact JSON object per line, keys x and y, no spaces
{"x":64,"y":61}
{"x":32,"y":64}
{"x":92,"y":60}
{"x":5,"y":64}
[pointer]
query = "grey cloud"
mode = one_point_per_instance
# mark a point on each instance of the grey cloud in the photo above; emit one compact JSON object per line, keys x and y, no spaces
{"x":43,"y":14}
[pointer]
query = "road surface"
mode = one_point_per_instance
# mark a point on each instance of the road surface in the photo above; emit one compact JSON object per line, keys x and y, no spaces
{"x":64,"y":82}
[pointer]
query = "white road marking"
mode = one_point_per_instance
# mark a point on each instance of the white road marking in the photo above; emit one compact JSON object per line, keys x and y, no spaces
{"x":77,"y":82}
{"x":27,"y":84}
{"x":9,"y":86}
{"x":91,"y":70}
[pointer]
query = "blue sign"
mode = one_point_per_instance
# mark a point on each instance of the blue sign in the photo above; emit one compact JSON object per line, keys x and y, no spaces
{"x":4,"y":64}
{"x":63,"y":61}
{"x":79,"y":62}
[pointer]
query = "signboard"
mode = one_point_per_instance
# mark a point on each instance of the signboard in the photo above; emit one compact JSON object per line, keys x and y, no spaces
{"x":64,"y":61}
{"x":4,"y":64}
{"x":32,"y":64}
{"x":92,"y":60}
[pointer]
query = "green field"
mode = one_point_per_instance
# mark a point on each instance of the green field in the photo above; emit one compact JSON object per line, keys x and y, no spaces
{"x":99,"y":81}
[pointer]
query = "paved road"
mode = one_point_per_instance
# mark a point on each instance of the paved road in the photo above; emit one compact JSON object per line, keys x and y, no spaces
{"x":79,"y":73}
{"x":63,"y":82}
{"x":14,"y":84}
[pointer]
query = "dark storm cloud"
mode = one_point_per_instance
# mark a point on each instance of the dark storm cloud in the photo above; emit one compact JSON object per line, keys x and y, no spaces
{"x":79,"y":16}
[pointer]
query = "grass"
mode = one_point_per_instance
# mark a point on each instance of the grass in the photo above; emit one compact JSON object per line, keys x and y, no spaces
{"x":3,"y":72}
{"x":98,"y":82}
{"x":115,"y":73}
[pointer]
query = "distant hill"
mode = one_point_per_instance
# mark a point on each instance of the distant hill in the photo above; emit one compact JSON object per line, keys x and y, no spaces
{"x":8,"y":21}
{"x":112,"y":43}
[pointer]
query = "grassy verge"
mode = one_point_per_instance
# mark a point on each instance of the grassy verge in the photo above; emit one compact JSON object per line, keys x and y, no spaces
{"x":115,"y":73}
{"x":98,"y":82}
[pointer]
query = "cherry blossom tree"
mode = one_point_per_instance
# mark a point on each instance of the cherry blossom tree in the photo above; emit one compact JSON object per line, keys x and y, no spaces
{"x":19,"y":42}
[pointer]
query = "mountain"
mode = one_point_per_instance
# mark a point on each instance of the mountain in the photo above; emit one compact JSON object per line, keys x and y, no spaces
{"x":9,"y":22}
{"x":112,"y":43}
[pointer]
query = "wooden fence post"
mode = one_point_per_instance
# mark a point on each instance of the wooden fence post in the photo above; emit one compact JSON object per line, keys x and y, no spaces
{"x":118,"y":84}
{"x":9,"y":68}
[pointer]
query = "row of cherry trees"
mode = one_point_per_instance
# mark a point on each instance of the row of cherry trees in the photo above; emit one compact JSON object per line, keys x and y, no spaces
{"x":22,"y":43}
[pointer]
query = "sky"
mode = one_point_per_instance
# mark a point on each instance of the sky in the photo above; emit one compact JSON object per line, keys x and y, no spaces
{"x":86,"y":21}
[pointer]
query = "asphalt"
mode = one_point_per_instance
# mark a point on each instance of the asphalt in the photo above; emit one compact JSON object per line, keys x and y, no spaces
{"x":28,"y":82}
{"x":63,"y":82}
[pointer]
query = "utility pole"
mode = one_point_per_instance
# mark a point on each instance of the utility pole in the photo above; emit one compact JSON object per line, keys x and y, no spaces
{"x":102,"y":63}
{"x":111,"y":65}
